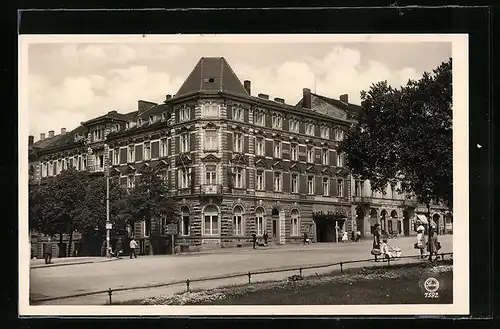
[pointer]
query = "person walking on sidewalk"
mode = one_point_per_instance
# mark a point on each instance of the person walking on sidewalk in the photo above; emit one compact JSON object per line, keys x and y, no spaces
{"x":254,"y":239}
{"x":47,"y":251}
{"x":133,"y":246}
{"x":265,"y":238}
{"x":376,"y":241}
{"x":345,"y":237}
{"x":119,"y":247}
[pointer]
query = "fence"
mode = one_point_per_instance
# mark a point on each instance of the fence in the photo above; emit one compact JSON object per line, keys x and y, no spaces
{"x":249,"y":274}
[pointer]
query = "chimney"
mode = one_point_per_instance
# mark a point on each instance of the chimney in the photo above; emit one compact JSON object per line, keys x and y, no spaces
{"x":168,"y":97}
{"x":306,"y":98}
{"x":31,"y":139}
{"x":42,"y":136}
{"x":247,"y":85}
{"x":344,"y":98}
{"x":63,"y":131}
{"x":263,"y":96}
{"x":51,"y":133}
{"x":279,"y":100}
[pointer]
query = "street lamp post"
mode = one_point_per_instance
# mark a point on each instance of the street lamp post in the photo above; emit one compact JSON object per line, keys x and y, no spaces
{"x":108,"y":223}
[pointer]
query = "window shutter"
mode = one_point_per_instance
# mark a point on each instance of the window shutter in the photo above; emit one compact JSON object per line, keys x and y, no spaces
{"x":317,"y":155}
{"x":269,"y":180}
{"x":269,"y":148}
{"x":286,"y":150}
{"x":177,"y":116}
{"x":245,"y":115}
{"x":177,"y":144}
{"x":269,"y":121}
{"x":286,"y":124}
{"x":286,"y":182}
{"x":138,"y":152}
{"x":317,"y":130}
{"x":302,"y":127}
{"x":246,"y":183}
{"x":155,"y":150}
{"x":333,"y":155}
{"x":318,"y":188}
{"x":176,"y":178}
{"x":333,"y":186}
{"x":137,"y":230}
{"x":303,"y":184}
{"x":123,"y":156}
{"x":191,"y":113}
{"x":192,"y":142}
{"x":346,"y":188}
{"x":245,"y":143}
{"x":302,"y":153}
{"x":230,"y":142}
{"x":230,"y":112}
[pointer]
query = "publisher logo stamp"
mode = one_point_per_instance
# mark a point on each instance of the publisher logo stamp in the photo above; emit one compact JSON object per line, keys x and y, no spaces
{"x":431,"y":286}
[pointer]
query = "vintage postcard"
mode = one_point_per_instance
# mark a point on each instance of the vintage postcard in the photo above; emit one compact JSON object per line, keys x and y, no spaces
{"x":243,"y":175}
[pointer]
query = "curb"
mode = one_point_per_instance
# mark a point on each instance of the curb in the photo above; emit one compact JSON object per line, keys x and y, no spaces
{"x":69,"y":264}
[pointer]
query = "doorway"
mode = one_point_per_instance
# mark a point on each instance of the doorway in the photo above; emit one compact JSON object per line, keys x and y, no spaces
{"x":275,"y":216}
{"x":360,"y":220}
{"x":406,"y":223}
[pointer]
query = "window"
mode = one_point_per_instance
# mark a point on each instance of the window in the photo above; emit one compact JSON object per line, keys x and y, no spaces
{"x":310,"y":154}
{"x":238,"y":113}
{"x":260,"y":179}
{"x":238,"y":177}
{"x":59,"y":166}
{"x":151,"y":119}
{"x":294,"y":125}
{"x":185,"y":221}
{"x":163,"y":148}
{"x":358,"y":188}
{"x":340,"y":160}
{"x":211,"y":174}
{"x":294,"y":152}
{"x":277,"y":149}
{"x":184,"y":178}
{"x":238,"y":142}
{"x":277,"y":121}
{"x":339,"y":134}
{"x":210,"y":140}
{"x":310,"y":184}
{"x":260,"y":118}
{"x":277,"y":182}
{"x":211,"y":220}
{"x":184,"y":114}
{"x":295,"y":222}
{"x":211,"y":110}
{"x":295,"y":183}
{"x":131,"y":154}
{"x":163,"y":116}
{"x":147,"y":151}
{"x":340,"y":188}
{"x":259,"y":146}
{"x":309,"y":129}
{"x":139,"y":122}
{"x":44,"y":169}
{"x":84,"y":163}
{"x":238,"y":221}
{"x":326,"y":186}
{"x":259,"y":221}
{"x":185,"y":143}
{"x":100,"y":162}
{"x":116,"y":154}
{"x":64,"y":164}
{"x":325,"y":132}
{"x":325,"y":158}
{"x":98,"y":134}
{"x":130,"y":181}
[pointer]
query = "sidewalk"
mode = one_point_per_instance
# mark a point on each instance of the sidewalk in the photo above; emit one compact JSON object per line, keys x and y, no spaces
{"x":39,"y":263}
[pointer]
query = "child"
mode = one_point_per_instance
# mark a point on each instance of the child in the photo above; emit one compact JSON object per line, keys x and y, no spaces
{"x":345,"y":237}
{"x":388,"y":251}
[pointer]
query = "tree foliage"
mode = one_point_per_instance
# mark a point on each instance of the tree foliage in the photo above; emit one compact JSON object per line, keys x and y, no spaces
{"x":405,"y":135}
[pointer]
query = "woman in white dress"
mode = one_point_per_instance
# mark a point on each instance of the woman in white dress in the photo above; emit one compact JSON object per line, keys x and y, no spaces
{"x":421,"y":239}
{"x":345,"y":237}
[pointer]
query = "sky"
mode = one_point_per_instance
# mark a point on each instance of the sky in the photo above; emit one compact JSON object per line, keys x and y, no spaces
{"x":69,"y":83}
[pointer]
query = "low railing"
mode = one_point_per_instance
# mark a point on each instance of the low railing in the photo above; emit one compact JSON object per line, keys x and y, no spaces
{"x":249,"y":274}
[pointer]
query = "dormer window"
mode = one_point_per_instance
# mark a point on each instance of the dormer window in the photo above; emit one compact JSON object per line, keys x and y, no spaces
{"x":163,"y":116}
{"x":139,"y":122}
{"x":294,"y":125}
{"x":184,"y":114}
{"x":238,"y":113}
{"x":127,"y":126}
{"x":260,"y":118}
{"x":310,"y":129}
{"x":151,"y":119}
{"x":325,"y":132}
{"x":210,"y":109}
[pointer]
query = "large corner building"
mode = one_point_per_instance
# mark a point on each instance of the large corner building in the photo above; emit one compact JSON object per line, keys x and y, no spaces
{"x":235,"y":163}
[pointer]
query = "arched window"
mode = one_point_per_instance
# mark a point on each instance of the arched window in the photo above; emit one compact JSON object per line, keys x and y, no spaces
{"x":211,"y":220}
{"x":185,"y":221}
{"x":259,"y":221}
{"x":295,"y":222}
{"x":238,"y":225}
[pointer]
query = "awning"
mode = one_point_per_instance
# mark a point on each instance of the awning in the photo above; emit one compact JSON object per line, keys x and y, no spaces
{"x":423,"y":219}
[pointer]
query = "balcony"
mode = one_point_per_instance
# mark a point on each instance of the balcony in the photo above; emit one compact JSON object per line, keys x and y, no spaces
{"x":362,"y":199}
{"x":410,"y":202}
{"x":210,"y":189}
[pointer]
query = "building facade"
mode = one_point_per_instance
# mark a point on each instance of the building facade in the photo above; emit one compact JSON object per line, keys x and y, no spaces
{"x":236,"y":164}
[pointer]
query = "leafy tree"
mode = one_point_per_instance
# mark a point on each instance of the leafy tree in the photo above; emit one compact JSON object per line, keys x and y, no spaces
{"x":405,"y":135}
{"x":148,"y":199}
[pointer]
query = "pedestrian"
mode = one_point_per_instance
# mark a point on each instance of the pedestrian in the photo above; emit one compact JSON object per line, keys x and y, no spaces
{"x":353,"y":236}
{"x":387,"y":251}
{"x":376,"y":240}
{"x":254,"y":239}
{"x":432,"y":243}
{"x":305,"y":238}
{"x":345,"y":237}
{"x":119,"y":247}
{"x":420,"y":244}
{"x":358,"y":235}
{"x":265,"y":238}
{"x":133,"y":245}
{"x":47,"y":251}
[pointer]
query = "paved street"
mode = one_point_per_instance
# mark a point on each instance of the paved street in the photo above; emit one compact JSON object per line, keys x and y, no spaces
{"x":76,"y":279}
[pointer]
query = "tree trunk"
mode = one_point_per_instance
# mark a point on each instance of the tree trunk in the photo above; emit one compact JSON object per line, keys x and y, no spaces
{"x":69,"y":243}
{"x":60,"y":244}
{"x":428,"y":230}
